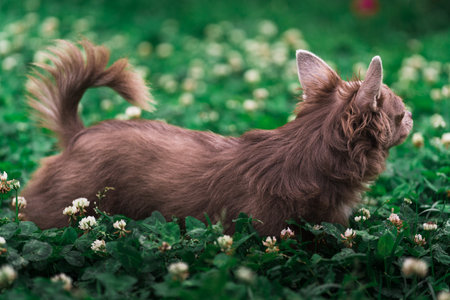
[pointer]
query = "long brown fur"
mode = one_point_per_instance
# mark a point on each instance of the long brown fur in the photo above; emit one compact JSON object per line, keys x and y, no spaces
{"x":314,"y":167}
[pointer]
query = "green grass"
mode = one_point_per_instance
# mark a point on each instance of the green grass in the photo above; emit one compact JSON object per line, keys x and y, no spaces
{"x":202,"y":85}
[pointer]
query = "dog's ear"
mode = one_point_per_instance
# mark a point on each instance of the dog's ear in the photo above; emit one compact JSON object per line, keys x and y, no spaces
{"x":313,"y":72}
{"x":368,"y":95}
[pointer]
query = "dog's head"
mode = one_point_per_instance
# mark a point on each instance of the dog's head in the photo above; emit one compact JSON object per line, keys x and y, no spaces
{"x":364,"y":114}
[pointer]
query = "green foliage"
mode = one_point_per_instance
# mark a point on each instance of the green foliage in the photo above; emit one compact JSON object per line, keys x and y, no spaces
{"x":229,"y":68}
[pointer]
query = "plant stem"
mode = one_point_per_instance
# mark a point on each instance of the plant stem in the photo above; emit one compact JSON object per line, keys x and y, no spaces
{"x":17,"y":206}
{"x":431,"y":253}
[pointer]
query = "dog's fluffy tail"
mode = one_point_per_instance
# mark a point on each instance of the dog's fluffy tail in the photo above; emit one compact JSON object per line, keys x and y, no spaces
{"x":55,"y":98}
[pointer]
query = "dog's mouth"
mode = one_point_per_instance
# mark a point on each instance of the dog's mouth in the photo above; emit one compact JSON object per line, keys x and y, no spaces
{"x":404,"y":130}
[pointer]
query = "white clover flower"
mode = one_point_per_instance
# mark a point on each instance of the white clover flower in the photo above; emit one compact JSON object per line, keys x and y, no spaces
{"x":213,"y":116}
{"x":186,"y":99}
{"x":80,"y":203}
{"x":5,"y":47}
{"x":436,"y":142}
{"x":9,"y":63}
{"x":268,"y":28}
{"x":232,"y":104}
{"x":81,"y":25}
{"x":164,"y":50}
{"x":252,"y":76}
{"x":446,"y":91}
{"x":436,"y":94}
{"x":142,"y":71}
{"x":407,"y":200}
{"x":221,"y":70}
{"x":214,"y":49}
{"x":431,"y":74}
{"x":358,"y":218}
{"x":213,"y":31}
{"x":416,"y":61}
{"x":3,"y":176}
{"x":279,"y":55}
{"x":66,"y":280}
{"x":317,"y":227}
{"x":21,"y":202}
{"x":429,"y":226}
{"x":394,"y":218}
{"x":349,"y":233}
{"x":250,"y":105}
{"x":225,"y":242}
{"x":360,"y":68}
{"x":236,"y":62}
{"x":196,"y":72}
{"x":419,"y":240}
{"x":7,"y":275}
{"x":15,"y":184}
{"x":365,"y":212}
{"x":437,"y":121}
{"x":292,"y":36}
{"x":87,"y":223}
{"x":260,"y":93}
{"x":40,"y":57}
{"x":106,"y":104}
{"x":70,"y":211}
{"x":2,"y":241}
{"x":236,"y":35}
{"x":396,"y":221}
{"x":144,"y":48}
{"x":179,"y":270}
{"x":49,"y":26}
{"x":445,"y":140}
{"x":408,"y":73}
{"x":270,"y":243}
{"x":133,"y":112}
{"x":165,"y":246}
{"x":443,"y":295}
{"x":170,"y":86}
{"x":418,"y":140}
{"x":413,"y":266}
{"x":348,"y":236}
{"x":190,"y":85}
{"x":245,"y":274}
{"x":120,"y":225}
{"x":99,"y":246}
{"x":287,"y":233}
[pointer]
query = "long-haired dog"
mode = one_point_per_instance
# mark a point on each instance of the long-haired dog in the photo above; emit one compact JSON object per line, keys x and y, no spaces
{"x":314,"y":167}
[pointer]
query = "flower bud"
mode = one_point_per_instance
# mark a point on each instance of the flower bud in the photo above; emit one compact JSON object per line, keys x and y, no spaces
{"x":418,"y":140}
{"x":179,"y":270}
{"x":413,"y":266}
{"x":66,"y":280}
{"x":429,"y":226}
{"x":287,"y":234}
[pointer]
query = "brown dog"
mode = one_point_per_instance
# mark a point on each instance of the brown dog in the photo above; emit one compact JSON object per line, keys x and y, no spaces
{"x":314,"y":167}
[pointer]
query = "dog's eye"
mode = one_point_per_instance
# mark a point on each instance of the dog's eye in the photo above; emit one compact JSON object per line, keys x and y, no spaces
{"x":399,"y":118}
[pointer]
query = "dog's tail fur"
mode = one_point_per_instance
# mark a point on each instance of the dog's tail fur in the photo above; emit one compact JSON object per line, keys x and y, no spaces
{"x":55,"y":98}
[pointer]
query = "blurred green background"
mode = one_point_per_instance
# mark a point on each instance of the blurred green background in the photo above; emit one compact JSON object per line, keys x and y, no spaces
{"x":225,"y":66}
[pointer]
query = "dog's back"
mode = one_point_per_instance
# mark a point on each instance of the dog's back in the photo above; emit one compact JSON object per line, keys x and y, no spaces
{"x":150,"y":164}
